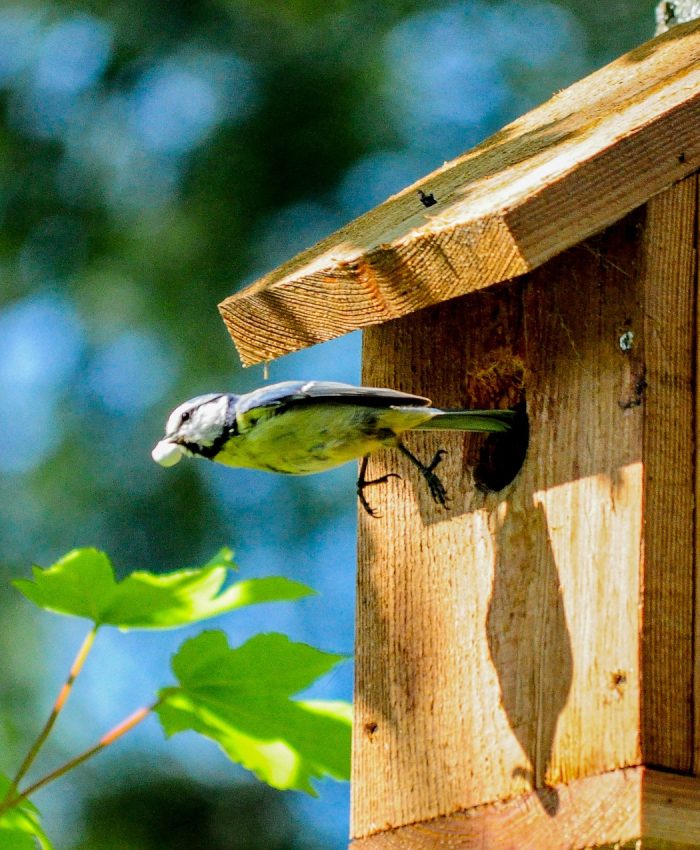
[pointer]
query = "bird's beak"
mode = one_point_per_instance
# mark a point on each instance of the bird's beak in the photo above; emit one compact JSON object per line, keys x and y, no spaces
{"x":167,"y":453}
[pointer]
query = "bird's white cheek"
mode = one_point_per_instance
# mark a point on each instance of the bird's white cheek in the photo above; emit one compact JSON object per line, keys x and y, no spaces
{"x":166,"y":453}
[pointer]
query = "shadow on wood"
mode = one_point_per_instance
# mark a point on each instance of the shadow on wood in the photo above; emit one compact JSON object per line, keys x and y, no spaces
{"x":540,"y":661}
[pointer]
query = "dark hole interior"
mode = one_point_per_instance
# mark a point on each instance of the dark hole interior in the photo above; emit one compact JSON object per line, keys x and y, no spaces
{"x":502,"y":455}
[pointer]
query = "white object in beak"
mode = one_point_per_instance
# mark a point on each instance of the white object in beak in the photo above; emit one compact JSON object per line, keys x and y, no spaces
{"x":166,"y":453}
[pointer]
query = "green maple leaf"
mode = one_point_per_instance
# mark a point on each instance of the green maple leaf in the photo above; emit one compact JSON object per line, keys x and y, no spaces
{"x":19,"y":826}
{"x":82,"y":584}
{"x":240,"y":698}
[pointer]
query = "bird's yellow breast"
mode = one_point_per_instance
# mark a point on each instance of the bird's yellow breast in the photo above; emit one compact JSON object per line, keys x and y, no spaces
{"x":314,"y":437}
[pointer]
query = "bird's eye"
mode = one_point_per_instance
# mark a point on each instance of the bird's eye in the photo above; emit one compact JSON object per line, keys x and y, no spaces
{"x":185,"y":416}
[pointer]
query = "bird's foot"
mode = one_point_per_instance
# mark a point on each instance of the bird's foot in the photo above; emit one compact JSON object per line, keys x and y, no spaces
{"x":363,"y":483}
{"x":361,"y":494}
{"x":436,"y":487}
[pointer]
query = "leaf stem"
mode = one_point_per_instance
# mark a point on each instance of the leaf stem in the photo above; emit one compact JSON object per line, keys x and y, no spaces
{"x":61,"y":700}
{"x":107,"y":739}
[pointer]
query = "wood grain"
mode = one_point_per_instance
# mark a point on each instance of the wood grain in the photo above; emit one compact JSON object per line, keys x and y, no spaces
{"x":528,"y":639}
{"x":548,"y":181}
{"x":667,"y":281}
{"x":630,"y":808}
{"x":696,"y":666}
{"x":670,"y":811}
{"x":469,"y":621}
{"x":696,"y":624}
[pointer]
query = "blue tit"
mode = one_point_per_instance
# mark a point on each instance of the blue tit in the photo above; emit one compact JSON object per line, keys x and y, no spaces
{"x":301,"y":427}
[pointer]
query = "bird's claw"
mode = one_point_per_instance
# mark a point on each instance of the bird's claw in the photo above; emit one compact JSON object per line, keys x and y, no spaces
{"x":437,"y":490}
{"x":366,"y":505}
{"x":362,"y":484}
{"x":439,"y":455}
{"x":436,"y":487}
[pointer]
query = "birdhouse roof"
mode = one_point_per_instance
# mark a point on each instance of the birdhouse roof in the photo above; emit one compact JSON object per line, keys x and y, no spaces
{"x":549,"y":180}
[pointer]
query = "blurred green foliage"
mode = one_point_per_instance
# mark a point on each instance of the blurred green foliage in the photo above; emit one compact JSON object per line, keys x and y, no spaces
{"x":153,"y":812}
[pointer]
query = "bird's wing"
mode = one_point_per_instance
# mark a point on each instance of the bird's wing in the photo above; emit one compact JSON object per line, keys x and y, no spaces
{"x":296,"y":393}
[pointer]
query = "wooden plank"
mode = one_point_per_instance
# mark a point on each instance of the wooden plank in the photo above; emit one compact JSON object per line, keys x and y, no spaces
{"x":596,"y":810}
{"x":497,"y":642}
{"x":668,"y":282}
{"x":631,"y":808}
{"x":546,"y":182}
{"x":696,"y":666}
{"x":510,"y":625}
{"x":670,"y":810}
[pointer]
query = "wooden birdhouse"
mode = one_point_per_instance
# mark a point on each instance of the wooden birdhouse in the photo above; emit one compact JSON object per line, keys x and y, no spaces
{"x":527,"y":659}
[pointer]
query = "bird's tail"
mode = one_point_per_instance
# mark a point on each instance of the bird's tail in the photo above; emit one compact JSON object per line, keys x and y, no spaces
{"x":469,"y":420}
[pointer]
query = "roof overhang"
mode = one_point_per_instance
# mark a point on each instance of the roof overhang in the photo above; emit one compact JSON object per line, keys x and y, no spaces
{"x":549,"y":180}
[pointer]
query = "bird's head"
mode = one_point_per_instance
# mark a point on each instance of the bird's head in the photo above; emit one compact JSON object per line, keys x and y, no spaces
{"x":193,"y":428}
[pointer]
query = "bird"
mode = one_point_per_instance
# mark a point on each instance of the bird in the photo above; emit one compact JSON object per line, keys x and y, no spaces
{"x":303,"y":427}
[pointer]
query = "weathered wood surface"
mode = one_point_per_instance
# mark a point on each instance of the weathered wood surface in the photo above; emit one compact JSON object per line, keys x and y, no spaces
{"x":534,"y":637}
{"x":548,"y":181}
{"x":631,"y":808}
{"x":696,"y":435}
{"x":668,"y":286}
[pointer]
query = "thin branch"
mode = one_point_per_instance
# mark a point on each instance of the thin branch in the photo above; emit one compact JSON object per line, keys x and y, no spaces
{"x":107,"y":739}
{"x":61,"y":700}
